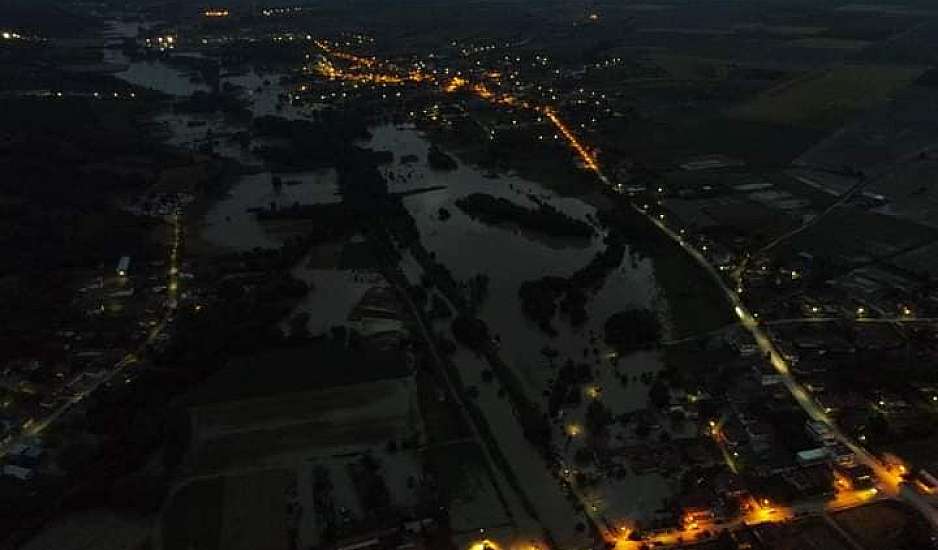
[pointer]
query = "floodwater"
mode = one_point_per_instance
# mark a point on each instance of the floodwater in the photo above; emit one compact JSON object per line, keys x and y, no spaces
{"x":509,"y":257}
{"x":264,"y":95}
{"x":156,"y":74}
{"x":228,"y":223}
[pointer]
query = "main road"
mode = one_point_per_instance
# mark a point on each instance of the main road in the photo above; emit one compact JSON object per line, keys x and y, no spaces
{"x":890,"y":481}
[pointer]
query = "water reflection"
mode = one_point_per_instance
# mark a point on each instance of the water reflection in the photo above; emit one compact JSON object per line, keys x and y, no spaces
{"x":230,"y":224}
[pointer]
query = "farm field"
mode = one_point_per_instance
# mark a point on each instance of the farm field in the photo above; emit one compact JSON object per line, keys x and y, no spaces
{"x":883,"y":525}
{"x":460,"y":470}
{"x":284,"y":428}
{"x":237,"y":512}
{"x":853,"y":235}
{"x":827,"y":99}
{"x":193,"y":515}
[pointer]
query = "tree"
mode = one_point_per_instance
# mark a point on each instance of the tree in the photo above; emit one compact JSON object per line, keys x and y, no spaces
{"x":598,"y":417}
{"x":632,"y":330}
{"x":470,"y":331}
{"x":659,"y":394}
{"x":77,"y":455}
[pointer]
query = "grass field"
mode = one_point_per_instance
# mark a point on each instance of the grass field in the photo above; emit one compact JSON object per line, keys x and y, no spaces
{"x":255,"y":511}
{"x":441,"y":418}
{"x":918,"y":261}
{"x":759,"y":143}
{"x":827,"y":99}
{"x":466,"y":484}
{"x":808,"y":533}
{"x":857,"y":235}
{"x":285,"y":428}
{"x":830,"y":43}
{"x":881,"y":525}
{"x":194,"y":515}
{"x":685,"y":67}
{"x":297,"y":369}
{"x":236,"y":513}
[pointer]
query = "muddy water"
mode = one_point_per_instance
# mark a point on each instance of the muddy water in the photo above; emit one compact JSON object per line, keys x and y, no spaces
{"x":229,"y":224}
{"x":510,"y":256}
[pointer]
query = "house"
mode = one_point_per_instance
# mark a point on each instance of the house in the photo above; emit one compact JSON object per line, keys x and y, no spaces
{"x":860,"y":476}
{"x":760,"y":436}
{"x":843,"y":456}
{"x":25,"y":455}
{"x":811,"y":457}
{"x":18,"y":472}
{"x":820,"y":432}
{"x":728,"y":485}
{"x":696,"y":508}
{"x":926,"y":482}
{"x":744,"y":343}
{"x":767,"y":374}
{"x":734,"y":434}
{"x":123,"y":266}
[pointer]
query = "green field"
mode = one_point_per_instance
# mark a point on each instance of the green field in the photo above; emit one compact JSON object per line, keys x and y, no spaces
{"x":672,"y":142}
{"x":193,"y":516}
{"x":856,"y":235}
{"x":830,"y":43}
{"x":827,"y":99}
{"x":240,"y":512}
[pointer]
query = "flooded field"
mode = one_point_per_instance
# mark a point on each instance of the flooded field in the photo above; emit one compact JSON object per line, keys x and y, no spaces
{"x":509,"y":256}
{"x":231,"y":224}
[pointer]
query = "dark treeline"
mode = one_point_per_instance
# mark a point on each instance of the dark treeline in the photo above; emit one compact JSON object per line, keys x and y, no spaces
{"x":539,"y":298}
{"x":544,"y":219}
{"x":327,"y":140}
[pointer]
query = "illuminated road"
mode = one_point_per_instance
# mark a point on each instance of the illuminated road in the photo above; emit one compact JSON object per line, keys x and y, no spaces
{"x":889,"y":480}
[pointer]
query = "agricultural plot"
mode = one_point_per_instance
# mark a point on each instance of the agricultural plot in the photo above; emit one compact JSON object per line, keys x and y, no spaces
{"x":884,"y":525}
{"x":884,"y":139}
{"x":237,"y":512}
{"x":855,"y":236}
{"x":757,"y":143}
{"x":748,"y":216}
{"x":460,"y":471}
{"x":286,"y":428}
{"x":911,"y":192}
{"x":254,"y":511}
{"x":830,"y":43}
{"x":919,"y":261}
{"x":808,"y":533}
{"x":827,"y":99}
{"x":193,"y":515}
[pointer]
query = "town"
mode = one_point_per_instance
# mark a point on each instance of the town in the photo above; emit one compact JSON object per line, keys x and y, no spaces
{"x":595,"y":275}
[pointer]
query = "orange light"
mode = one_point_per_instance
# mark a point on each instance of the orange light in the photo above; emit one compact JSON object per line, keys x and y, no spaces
{"x":583,"y":153}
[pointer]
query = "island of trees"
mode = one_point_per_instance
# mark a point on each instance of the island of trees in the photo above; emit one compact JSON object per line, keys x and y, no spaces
{"x":544,"y":219}
{"x":632,"y":330}
{"x":438,"y":160}
{"x":539,"y":298}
